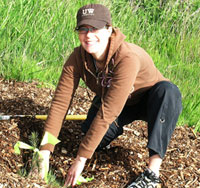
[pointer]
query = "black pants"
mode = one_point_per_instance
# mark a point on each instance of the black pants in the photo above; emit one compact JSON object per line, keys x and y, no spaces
{"x":160,"y":107}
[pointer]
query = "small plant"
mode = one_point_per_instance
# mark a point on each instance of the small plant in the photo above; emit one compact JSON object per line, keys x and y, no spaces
{"x":22,"y":172}
{"x":34,"y":167}
{"x":34,"y":141}
{"x":33,"y":138}
{"x":52,"y":181}
{"x":50,"y":177}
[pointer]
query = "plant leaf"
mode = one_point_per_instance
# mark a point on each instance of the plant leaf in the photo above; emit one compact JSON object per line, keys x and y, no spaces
{"x":48,"y":138}
{"x":16,"y":148}
{"x":81,"y":180}
{"x":21,"y":145}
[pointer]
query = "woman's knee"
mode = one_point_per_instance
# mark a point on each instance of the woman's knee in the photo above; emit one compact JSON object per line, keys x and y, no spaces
{"x":165,"y":94}
{"x":166,"y":88}
{"x":173,"y":94}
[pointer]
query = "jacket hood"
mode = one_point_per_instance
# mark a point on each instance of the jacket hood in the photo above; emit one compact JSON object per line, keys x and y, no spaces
{"x":116,"y":39}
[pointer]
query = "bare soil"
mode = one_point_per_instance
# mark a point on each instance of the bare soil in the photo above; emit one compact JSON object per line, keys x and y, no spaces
{"x":111,"y":168}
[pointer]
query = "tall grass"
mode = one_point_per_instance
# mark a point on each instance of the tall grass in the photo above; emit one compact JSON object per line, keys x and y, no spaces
{"x":36,"y":37}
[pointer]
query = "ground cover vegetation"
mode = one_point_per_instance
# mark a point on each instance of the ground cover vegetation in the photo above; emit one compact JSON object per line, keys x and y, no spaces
{"x":111,"y":168}
{"x":37,"y":37}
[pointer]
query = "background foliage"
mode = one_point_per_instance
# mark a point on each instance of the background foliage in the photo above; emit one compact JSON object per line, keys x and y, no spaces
{"x":36,"y":38}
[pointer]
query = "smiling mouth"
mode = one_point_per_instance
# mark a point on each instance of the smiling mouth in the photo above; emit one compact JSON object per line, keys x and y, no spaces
{"x":90,"y":43}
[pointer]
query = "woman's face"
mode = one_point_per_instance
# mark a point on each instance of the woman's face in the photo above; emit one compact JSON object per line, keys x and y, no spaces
{"x":95,"y":41}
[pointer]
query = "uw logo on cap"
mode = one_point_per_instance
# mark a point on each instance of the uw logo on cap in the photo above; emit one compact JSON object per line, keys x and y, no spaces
{"x":87,"y":12}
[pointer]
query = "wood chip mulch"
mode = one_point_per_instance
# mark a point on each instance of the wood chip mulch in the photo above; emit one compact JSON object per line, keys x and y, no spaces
{"x":111,"y":168}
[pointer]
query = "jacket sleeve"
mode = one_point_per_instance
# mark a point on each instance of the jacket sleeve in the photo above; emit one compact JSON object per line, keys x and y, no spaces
{"x":114,"y":100}
{"x":65,"y":90}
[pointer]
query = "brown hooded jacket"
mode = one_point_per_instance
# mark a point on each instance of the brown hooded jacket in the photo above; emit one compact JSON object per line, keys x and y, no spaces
{"x":130,"y":72}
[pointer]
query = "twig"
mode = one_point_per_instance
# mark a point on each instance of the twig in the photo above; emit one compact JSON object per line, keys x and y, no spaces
{"x":193,"y":133}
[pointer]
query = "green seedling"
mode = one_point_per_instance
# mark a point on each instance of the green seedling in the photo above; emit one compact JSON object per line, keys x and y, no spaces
{"x":48,"y":138}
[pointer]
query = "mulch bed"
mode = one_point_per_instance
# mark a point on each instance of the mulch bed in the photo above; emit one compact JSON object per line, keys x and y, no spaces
{"x":112,"y":168}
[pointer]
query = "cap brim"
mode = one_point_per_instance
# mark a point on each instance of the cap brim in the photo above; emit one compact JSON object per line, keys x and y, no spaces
{"x":94,"y":23}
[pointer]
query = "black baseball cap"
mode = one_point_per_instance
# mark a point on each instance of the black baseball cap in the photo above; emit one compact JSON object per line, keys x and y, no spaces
{"x":95,"y":15}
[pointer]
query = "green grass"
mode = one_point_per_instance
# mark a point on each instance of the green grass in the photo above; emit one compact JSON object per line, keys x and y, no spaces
{"x":37,"y":37}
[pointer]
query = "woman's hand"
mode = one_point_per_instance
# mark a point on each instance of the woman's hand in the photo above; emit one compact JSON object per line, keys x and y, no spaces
{"x":75,"y":171}
{"x":44,"y":163}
